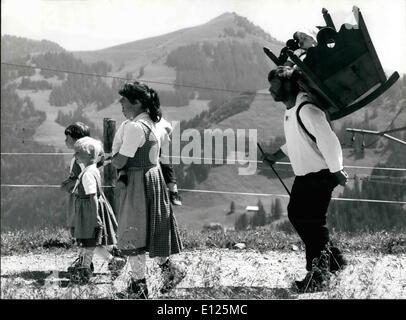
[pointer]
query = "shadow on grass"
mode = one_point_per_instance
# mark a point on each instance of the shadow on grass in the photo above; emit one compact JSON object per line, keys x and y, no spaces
{"x":39,"y":277}
{"x":254,"y":293}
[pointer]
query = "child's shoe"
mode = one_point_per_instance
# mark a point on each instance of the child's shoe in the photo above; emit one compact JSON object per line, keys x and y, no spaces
{"x":172,"y":275}
{"x":74,"y":265}
{"x":81,"y":275}
{"x":78,"y":263}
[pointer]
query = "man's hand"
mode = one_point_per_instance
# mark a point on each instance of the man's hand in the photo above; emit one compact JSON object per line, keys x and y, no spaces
{"x":270,"y":158}
{"x":341,"y":177}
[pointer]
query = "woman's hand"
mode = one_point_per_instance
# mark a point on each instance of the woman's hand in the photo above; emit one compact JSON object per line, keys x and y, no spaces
{"x":119,"y":161}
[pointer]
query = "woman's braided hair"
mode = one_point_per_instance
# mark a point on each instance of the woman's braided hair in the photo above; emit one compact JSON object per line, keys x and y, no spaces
{"x":148,"y":97}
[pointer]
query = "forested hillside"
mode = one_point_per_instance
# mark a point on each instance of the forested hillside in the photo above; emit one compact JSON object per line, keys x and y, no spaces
{"x":26,"y":207}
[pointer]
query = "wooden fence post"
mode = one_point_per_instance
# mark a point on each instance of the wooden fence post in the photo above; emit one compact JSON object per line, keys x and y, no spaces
{"x":109,"y":129}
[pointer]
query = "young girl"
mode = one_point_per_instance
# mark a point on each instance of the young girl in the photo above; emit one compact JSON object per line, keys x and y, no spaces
{"x":146,"y":219}
{"x":94,"y":223}
{"x":72,"y":133}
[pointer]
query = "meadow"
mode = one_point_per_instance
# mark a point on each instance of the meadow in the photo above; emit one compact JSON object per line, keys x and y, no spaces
{"x":34,"y":264}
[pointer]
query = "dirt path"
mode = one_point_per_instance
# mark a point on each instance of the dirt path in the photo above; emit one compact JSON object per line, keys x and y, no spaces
{"x":212,"y":274}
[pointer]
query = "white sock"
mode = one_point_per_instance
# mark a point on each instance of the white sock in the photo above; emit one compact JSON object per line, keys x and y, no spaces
{"x":81,"y":253}
{"x":103,"y":253}
{"x":138,"y":266}
{"x":161,"y":260}
{"x":88,"y":257}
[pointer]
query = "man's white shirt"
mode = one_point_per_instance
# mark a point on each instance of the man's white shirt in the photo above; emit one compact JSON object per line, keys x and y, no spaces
{"x":305,"y":155}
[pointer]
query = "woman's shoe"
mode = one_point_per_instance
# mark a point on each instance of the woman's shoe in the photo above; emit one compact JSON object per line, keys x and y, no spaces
{"x":137,"y":289}
{"x":172,"y":275}
{"x":115,"y":266}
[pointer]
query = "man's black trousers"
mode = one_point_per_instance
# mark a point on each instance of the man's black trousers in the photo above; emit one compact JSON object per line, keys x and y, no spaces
{"x":307,"y":210}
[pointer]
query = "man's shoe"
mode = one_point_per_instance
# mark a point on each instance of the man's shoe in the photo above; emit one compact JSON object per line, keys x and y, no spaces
{"x":115,"y":266}
{"x":175,"y":198}
{"x":337,"y":260}
{"x":318,"y":278}
{"x":172,"y":275}
{"x":314,"y":281}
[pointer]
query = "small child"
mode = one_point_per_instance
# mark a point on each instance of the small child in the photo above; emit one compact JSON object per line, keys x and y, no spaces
{"x":72,"y":133}
{"x":95,"y":224}
{"x":164,"y":130}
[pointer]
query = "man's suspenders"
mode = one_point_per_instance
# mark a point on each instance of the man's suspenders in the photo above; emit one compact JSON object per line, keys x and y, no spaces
{"x":300,"y":120}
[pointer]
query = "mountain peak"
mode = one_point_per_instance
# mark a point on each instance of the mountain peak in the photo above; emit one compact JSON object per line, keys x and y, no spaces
{"x":224,"y":16}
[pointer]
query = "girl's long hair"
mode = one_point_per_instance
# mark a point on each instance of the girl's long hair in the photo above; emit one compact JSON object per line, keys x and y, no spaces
{"x":148,"y":97}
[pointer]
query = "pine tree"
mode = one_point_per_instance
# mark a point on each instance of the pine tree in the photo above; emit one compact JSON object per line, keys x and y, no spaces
{"x":259,"y":218}
{"x":271,"y":214}
{"x":232,"y":207}
{"x":242,"y":222}
{"x":277,"y":214}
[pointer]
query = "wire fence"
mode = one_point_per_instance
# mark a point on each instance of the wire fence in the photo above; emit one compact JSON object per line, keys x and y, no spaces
{"x":263,"y":95}
{"x":172,"y":84}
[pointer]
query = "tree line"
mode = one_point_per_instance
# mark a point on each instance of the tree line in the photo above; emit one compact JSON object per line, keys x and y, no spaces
{"x":246,"y":221}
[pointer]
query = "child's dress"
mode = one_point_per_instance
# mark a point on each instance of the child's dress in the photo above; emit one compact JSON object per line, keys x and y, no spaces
{"x":93,"y":228}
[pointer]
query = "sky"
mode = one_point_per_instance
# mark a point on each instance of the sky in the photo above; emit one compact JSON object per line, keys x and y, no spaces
{"x":97,"y":24}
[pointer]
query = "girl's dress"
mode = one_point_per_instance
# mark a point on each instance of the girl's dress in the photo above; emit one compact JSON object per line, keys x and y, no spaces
{"x":93,"y":228}
{"x":146,"y":219}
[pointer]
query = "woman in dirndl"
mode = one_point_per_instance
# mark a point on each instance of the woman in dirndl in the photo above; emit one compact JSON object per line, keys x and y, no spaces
{"x":146,"y":222}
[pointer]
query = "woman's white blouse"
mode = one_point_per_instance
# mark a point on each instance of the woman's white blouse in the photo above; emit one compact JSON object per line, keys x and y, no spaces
{"x":133,"y":136}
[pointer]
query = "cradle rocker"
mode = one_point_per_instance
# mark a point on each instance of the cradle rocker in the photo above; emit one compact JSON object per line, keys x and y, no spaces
{"x":342,"y":73}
